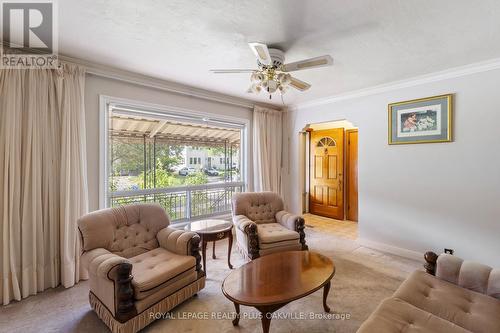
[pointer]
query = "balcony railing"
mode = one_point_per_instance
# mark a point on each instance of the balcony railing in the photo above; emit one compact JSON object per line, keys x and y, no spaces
{"x":186,"y":202}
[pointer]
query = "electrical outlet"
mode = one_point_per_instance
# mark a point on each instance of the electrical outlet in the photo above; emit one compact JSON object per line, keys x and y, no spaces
{"x":449,"y":251}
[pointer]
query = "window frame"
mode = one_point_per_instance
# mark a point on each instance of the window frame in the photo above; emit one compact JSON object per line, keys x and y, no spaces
{"x":167,"y":112}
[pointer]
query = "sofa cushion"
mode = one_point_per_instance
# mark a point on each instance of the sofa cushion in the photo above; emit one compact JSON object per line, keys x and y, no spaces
{"x":275,"y":235}
{"x":395,"y":315}
{"x":471,"y":310}
{"x":157,"y":269}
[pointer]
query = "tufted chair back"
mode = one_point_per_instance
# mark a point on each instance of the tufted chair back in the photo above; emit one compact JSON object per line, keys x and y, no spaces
{"x":126,"y":231}
{"x":260,"y":207}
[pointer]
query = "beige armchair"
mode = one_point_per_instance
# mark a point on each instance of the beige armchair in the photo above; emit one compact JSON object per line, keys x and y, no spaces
{"x":263,"y":227}
{"x":137,"y":265}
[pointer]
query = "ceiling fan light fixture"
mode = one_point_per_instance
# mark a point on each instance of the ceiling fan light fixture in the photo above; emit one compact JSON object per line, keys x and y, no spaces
{"x":256,"y":88}
{"x":272,"y":73}
{"x":257,"y":77}
{"x":285,"y":79}
{"x":271,"y":86}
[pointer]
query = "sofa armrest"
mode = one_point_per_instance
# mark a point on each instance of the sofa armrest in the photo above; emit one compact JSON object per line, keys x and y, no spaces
{"x":293,"y":222}
{"x":181,"y":242}
{"x":467,"y":274}
{"x":249,"y":227}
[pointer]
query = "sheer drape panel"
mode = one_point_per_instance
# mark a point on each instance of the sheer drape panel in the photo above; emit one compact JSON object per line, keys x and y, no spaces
{"x":267,"y":149}
{"x":42,"y":145}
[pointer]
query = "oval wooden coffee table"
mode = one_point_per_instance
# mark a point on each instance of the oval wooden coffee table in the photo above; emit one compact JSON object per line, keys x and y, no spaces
{"x":212,"y":231}
{"x":270,"y":282}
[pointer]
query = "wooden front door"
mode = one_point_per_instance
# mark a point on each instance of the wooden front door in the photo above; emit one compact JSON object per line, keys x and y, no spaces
{"x":327,"y":173}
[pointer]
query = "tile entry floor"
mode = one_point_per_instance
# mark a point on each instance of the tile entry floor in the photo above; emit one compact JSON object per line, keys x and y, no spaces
{"x":344,"y":229}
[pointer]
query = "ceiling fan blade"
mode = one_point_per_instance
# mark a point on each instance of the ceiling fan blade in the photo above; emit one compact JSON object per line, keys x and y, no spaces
{"x":321,"y":61}
{"x":262,"y":53}
{"x":231,"y":71}
{"x":299,"y":85}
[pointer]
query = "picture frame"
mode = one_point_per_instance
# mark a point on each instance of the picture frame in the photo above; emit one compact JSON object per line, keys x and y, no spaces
{"x":423,"y":120}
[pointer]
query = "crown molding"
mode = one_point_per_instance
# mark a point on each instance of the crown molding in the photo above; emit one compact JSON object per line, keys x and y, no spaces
{"x":451,"y":73}
{"x":151,"y":82}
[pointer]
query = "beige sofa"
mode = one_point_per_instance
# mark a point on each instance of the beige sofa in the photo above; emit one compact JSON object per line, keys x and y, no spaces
{"x":463,"y":296}
{"x":263,"y":227}
{"x":137,"y":265}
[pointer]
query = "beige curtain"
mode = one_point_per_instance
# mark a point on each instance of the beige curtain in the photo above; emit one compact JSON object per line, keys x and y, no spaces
{"x":267,"y":149}
{"x":43,"y":187}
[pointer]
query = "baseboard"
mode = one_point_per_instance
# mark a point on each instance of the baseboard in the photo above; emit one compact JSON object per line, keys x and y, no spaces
{"x":391,"y":249}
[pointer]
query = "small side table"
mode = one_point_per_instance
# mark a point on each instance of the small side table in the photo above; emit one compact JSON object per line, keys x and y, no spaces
{"x":212,"y":231}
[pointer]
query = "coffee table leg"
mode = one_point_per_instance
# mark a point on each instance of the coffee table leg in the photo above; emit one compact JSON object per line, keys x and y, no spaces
{"x":326,"y":290}
{"x":230,"y":247}
{"x":267,"y":314}
{"x":266,"y":321}
{"x":213,"y":252}
{"x":236,"y":320}
{"x":204,"y":255}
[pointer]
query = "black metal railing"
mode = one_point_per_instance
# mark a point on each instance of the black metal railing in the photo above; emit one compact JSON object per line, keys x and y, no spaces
{"x":183,"y":203}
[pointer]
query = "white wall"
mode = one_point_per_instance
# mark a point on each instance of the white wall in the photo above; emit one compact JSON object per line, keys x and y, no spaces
{"x":95,"y":86}
{"x":425,"y":196}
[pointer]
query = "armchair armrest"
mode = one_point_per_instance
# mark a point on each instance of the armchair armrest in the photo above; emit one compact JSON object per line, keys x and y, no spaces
{"x":249,"y":227}
{"x":175,"y":240}
{"x":108,"y":267}
{"x":293,"y":222}
{"x":288,"y":220}
{"x":181,"y":242}
{"x":111,"y":282}
{"x":241,"y":222}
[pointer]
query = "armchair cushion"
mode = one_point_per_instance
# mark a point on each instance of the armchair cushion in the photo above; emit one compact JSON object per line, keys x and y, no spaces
{"x":158,"y":268}
{"x":175,"y":240}
{"x":274,"y":235}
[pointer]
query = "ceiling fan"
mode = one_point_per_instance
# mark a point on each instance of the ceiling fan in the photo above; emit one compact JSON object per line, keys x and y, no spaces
{"x":273,"y":74}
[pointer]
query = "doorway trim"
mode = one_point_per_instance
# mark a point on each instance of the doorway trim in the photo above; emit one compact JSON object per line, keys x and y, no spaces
{"x":304,"y":156}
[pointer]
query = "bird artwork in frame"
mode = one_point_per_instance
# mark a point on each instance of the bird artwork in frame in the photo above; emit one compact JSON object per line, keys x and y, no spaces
{"x":425,"y":120}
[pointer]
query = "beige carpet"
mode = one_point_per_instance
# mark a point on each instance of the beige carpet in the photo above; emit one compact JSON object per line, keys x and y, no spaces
{"x":363,"y":278}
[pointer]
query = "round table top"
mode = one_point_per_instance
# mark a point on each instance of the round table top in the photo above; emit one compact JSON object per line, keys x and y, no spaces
{"x":278,"y":278}
{"x":209,"y":226}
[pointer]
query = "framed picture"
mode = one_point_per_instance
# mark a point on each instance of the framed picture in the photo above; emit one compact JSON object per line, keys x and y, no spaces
{"x":424,"y":120}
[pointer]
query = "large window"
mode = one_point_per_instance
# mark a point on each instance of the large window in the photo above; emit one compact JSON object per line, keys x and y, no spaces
{"x":190,"y":166}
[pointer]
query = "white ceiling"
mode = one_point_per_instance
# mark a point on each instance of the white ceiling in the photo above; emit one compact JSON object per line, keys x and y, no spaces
{"x":372,"y":41}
